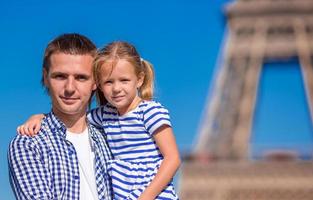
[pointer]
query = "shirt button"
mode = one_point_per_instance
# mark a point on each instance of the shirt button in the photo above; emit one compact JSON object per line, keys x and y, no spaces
{"x":70,"y":152}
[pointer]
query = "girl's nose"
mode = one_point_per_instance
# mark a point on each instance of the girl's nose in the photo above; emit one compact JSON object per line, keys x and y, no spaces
{"x":116,"y":87}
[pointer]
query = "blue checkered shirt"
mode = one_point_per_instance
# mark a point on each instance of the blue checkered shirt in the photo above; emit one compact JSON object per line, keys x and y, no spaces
{"x":46,"y":166}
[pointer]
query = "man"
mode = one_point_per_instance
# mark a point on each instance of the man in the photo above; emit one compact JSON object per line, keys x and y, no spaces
{"x":67,"y":158}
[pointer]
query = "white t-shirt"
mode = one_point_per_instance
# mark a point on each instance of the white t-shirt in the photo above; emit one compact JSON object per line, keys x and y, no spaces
{"x":88,"y":188}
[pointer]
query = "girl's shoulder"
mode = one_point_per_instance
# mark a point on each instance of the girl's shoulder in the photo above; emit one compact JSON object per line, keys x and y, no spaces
{"x":151,"y":106}
{"x":154,"y":116}
{"x":145,"y":104}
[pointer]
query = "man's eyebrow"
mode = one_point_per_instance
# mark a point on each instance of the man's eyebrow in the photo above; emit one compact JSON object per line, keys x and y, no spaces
{"x":78,"y":74}
{"x":82,"y":74}
{"x":57,"y":73}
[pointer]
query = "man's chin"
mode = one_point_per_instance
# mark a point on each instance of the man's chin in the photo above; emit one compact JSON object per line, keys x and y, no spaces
{"x":71,"y":110}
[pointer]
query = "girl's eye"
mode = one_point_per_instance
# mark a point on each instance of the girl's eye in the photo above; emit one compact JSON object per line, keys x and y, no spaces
{"x":108,"y":82}
{"x":125,"y":80}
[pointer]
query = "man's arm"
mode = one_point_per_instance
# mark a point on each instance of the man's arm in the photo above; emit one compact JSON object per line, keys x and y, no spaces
{"x":29,"y":177}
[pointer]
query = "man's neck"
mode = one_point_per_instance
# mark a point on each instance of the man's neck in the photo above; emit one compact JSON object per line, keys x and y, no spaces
{"x":74,"y":123}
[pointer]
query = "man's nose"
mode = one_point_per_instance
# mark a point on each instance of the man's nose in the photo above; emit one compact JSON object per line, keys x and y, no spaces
{"x":70,"y":85}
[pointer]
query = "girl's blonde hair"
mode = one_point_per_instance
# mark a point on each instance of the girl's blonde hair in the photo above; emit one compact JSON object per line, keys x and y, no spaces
{"x":123,"y":50}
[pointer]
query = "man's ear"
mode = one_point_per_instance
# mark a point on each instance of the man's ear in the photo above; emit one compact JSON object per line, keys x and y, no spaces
{"x":45,"y":77}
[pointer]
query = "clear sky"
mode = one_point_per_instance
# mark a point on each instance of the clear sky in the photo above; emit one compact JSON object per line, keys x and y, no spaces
{"x":282,"y":119}
{"x":180,"y":37}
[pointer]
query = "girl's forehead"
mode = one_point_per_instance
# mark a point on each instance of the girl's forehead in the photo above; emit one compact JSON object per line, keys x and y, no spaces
{"x":117,"y":66}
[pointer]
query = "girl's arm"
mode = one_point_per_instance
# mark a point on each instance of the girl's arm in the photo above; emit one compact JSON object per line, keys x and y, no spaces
{"x":32,"y":126}
{"x":165,"y":140}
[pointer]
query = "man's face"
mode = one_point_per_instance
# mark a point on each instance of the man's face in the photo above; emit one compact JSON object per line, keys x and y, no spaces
{"x":70,"y":83}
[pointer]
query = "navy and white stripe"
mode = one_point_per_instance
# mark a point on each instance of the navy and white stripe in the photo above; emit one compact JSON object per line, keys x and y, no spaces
{"x":136,"y":155}
{"x":46,"y":166}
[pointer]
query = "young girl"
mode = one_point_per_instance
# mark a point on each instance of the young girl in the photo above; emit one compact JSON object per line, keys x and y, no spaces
{"x":138,"y":129}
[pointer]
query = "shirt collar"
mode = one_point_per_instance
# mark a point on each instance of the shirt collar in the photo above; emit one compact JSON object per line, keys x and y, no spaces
{"x":57,"y":126}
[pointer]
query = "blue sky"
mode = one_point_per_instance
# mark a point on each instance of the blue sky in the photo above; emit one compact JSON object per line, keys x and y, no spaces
{"x":181,"y":38}
{"x":282,"y":120}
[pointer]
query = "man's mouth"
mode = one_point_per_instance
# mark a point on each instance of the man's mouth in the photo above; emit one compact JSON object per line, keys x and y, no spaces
{"x":69,"y":100}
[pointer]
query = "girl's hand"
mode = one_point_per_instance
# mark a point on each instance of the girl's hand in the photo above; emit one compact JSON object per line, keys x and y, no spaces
{"x":32,"y":126}
{"x":165,"y":140}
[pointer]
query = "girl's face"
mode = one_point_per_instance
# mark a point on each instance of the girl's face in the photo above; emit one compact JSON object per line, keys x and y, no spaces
{"x":119,"y":85}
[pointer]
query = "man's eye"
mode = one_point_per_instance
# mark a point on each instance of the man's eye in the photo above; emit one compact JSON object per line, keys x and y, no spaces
{"x":81,"y":78}
{"x":59,"y":77}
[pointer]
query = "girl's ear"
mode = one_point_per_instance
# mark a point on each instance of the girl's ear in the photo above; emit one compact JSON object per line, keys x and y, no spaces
{"x":141,"y":78}
{"x":94,"y":86}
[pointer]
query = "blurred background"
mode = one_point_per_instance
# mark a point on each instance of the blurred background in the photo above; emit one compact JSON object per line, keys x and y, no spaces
{"x":236,"y":76}
{"x":255,"y":136}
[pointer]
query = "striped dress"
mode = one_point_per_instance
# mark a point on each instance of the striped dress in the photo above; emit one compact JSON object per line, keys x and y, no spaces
{"x":136,"y":155}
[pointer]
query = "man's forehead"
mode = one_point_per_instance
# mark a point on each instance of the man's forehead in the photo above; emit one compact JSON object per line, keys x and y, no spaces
{"x":69,"y":63}
{"x":67,"y":56}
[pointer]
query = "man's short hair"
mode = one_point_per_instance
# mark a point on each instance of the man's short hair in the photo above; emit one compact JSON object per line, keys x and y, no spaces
{"x":70,"y":43}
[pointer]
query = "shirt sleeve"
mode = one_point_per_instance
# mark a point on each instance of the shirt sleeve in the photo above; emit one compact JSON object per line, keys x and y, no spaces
{"x":155,"y":116}
{"x":95,"y":117}
{"x":29,"y":177}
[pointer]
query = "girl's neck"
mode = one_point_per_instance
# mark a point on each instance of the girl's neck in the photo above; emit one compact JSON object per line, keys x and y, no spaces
{"x":131,"y":107}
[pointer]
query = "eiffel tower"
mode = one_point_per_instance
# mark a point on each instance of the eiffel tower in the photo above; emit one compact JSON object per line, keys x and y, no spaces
{"x":258,"y":31}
